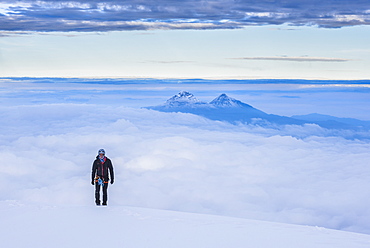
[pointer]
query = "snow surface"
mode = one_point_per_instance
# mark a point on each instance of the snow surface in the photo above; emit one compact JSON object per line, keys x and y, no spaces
{"x":132,"y":227}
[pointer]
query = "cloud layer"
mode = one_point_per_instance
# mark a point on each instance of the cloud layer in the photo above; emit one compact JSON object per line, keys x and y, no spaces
{"x":145,"y":15}
{"x":185,"y":162}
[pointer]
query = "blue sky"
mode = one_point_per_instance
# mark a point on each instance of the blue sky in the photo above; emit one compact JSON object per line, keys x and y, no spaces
{"x":186,"y":39}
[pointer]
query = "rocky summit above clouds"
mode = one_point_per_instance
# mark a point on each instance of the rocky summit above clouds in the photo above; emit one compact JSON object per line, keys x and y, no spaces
{"x":183,"y":99}
{"x":225,"y":101}
{"x":225,"y":108}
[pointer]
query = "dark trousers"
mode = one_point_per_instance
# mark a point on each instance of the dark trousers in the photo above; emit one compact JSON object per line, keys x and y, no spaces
{"x":97,"y":193}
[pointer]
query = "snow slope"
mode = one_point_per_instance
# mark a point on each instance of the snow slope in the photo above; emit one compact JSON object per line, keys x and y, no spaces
{"x":131,"y":227}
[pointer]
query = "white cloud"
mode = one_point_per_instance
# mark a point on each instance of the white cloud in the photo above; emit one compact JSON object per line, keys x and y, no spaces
{"x":350,"y":18}
{"x":60,"y":4}
{"x":6,"y":8}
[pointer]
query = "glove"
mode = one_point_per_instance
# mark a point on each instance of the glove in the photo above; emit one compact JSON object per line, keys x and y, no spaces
{"x":112,"y":181}
{"x":92,"y":182}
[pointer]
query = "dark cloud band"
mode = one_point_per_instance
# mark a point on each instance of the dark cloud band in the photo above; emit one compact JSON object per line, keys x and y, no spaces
{"x":298,"y":59}
{"x":108,"y":15}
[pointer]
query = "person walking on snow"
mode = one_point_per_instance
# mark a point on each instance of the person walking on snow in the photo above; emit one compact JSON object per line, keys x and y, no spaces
{"x":100,"y":176}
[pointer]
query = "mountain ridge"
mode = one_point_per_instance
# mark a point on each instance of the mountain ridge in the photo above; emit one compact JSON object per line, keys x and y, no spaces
{"x":225,"y":108}
{"x":222,"y":108}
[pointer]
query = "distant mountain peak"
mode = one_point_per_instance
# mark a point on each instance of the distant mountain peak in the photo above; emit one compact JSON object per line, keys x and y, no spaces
{"x":224,"y":101}
{"x":182,"y":98}
{"x":185,"y":99}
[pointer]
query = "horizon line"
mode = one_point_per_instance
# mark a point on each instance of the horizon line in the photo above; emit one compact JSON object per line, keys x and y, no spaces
{"x":180,"y":78}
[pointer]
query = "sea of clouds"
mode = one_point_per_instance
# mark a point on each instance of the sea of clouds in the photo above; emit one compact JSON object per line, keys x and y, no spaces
{"x":295,"y":174}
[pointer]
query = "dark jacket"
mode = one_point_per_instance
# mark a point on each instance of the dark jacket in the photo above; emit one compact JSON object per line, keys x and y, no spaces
{"x":101,"y":169}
